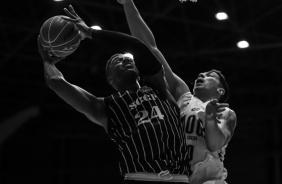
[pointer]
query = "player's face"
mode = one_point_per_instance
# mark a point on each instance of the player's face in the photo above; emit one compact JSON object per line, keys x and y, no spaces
{"x":124,"y":70}
{"x":207,"y":81}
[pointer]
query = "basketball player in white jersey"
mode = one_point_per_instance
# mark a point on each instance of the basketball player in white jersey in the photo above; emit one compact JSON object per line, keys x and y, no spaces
{"x":209,"y":123}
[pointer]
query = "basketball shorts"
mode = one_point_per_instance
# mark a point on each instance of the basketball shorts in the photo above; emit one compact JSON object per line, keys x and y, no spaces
{"x":209,"y":171}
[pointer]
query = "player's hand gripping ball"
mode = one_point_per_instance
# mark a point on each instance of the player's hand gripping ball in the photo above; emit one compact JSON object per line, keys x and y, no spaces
{"x":59,"y":37}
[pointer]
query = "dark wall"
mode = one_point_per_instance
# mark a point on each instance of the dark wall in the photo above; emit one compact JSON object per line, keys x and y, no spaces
{"x":61,"y":146}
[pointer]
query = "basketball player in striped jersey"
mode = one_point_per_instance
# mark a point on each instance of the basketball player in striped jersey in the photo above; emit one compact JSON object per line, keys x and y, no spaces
{"x":209,"y":123}
{"x":143,"y":121}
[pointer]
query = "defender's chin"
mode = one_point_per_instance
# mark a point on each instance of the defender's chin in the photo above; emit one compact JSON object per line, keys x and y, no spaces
{"x":197,"y":89}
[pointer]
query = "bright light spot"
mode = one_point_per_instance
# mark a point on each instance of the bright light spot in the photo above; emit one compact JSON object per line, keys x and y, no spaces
{"x":128,"y":55}
{"x":96,"y":27}
{"x":221,"y":16}
{"x":243,"y":44}
{"x":58,"y":0}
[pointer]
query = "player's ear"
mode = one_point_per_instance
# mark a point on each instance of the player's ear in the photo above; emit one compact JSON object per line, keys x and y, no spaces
{"x":110,"y":80}
{"x":221,"y":91}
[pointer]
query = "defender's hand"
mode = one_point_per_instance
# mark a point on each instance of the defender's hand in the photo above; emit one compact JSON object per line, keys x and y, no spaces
{"x":84,"y":30}
{"x":214,"y":110}
{"x":45,"y":55}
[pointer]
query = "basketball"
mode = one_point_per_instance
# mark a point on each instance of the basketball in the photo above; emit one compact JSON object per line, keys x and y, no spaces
{"x":59,"y":36}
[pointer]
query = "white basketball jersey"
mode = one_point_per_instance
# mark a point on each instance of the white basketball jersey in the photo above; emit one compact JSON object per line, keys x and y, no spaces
{"x":205,"y":165}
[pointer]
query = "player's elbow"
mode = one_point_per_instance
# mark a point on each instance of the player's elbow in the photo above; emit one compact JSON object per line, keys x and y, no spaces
{"x":54,"y":83}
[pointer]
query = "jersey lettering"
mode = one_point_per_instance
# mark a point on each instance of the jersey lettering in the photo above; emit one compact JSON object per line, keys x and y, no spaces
{"x":190,"y":152}
{"x":190,"y":125}
{"x":156,"y":113}
{"x":141,"y":99}
{"x":200,"y":128}
{"x":191,"y":122}
{"x":145,"y":117}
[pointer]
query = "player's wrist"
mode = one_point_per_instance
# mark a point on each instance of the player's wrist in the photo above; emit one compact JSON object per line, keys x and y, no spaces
{"x":210,"y":118}
{"x":89,"y":32}
{"x":85,"y":33}
{"x":210,"y":121}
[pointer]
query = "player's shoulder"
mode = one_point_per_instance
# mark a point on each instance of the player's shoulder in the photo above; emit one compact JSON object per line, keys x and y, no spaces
{"x":184,"y":99}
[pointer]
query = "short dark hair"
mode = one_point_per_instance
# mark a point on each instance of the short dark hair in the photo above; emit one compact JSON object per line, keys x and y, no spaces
{"x":112,"y":58}
{"x":224,"y":84}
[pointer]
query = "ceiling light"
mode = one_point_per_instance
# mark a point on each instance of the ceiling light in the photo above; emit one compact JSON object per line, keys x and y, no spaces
{"x":221,"y":16}
{"x":96,"y":27}
{"x":243,"y":44}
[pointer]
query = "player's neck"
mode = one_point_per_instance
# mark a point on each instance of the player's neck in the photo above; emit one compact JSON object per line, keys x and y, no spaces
{"x":133,"y":87}
{"x":204,"y":97}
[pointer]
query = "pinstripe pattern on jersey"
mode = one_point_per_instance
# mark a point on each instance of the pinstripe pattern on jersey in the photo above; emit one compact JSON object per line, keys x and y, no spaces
{"x":148,"y":132}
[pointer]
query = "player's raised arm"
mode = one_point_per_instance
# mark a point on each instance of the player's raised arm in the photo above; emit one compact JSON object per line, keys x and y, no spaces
{"x":149,"y":67}
{"x":139,"y":28}
{"x":219,"y":126}
{"x":75,"y":96}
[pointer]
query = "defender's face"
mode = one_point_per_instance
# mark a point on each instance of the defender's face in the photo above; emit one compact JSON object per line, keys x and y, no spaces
{"x":208,"y":81}
{"x":123,"y":69}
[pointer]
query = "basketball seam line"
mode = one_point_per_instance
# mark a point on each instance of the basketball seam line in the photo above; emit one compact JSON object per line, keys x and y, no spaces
{"x":48,"y":31}
{"x":59,"y":33}
{"x":66,"y":42}
{"x":49,"y":37}
{"x":49,"y":41}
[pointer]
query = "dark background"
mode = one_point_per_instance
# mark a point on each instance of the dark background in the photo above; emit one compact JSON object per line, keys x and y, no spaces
{"x":60,"y":146}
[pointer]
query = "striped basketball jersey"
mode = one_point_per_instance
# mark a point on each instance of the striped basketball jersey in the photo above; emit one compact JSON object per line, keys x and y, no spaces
{"x":147,"y":131}
{"x":205,"y":165}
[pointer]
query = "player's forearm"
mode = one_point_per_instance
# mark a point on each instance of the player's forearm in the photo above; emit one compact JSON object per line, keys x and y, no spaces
{"x":214,"y":137}
{"x":114,"y":39}
{"x":140,"y":29}
{"x":51,"y":73}
{"x":137,"y":25}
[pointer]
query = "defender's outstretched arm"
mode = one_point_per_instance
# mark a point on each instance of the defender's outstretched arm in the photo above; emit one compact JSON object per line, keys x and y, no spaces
{"x":139,"y":29}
